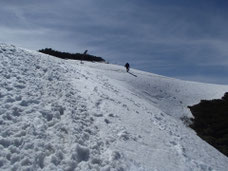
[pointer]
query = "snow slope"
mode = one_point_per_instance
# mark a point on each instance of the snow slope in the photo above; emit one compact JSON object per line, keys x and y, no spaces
{"x":62,"y":115}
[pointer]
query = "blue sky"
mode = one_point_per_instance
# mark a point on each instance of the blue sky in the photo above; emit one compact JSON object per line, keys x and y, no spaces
{"x":185,"y":39}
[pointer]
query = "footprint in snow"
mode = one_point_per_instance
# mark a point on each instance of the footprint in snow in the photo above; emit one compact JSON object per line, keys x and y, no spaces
{"x":111,"y":115}
{"x":19,"y":86}
{"x":158,"y":118}
{"x":95,"y":89}
{"x":98,"y":115}
{"x":107,"y":121}
{"x":98,"y":103}
{"x":124,"y":135}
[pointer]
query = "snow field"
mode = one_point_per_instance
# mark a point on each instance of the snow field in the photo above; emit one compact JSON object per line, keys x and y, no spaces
{"x":62,"y":115}
{"x":147,"y":126}
{"x":45,"y":123}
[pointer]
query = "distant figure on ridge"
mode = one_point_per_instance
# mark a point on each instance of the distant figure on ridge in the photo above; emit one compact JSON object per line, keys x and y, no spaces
{"x":83,"y":56}
{"x":85,"y":53}
{"x":127,"y":66}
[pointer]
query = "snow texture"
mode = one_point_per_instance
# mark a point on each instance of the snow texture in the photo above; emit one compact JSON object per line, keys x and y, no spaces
{"x":63,"y":115}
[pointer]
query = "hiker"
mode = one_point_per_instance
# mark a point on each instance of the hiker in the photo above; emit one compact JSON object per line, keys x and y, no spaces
{"x":127,"y":66}
{"x":83,"y":56}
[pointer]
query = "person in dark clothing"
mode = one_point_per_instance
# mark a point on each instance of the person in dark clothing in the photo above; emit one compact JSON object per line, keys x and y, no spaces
{"x":127,"y":66}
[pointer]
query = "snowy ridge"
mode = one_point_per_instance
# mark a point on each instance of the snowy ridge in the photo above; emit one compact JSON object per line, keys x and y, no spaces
{"x":63,"y":115}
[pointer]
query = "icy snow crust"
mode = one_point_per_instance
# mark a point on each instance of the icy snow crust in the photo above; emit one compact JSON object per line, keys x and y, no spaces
{"x":64,"y":115}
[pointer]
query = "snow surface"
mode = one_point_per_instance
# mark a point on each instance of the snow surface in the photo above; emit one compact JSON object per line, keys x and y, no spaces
{"x":63,"y":115}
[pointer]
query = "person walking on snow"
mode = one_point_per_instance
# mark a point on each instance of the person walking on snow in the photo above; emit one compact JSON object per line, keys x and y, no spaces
{"x":127,"y":66}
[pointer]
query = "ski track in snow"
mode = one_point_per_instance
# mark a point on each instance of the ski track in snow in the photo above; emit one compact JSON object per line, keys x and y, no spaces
{"x":62,"y":115}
